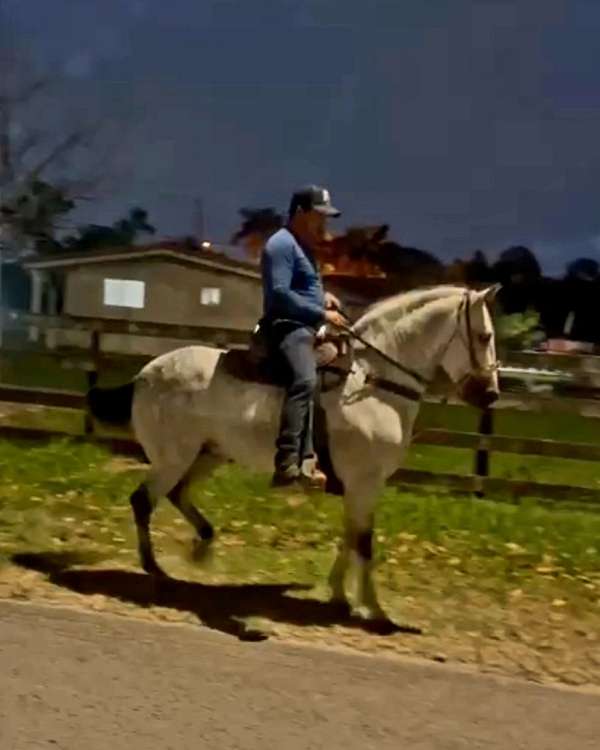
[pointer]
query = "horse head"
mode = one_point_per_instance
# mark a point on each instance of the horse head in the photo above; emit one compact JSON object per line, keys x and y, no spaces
{"x":469,"y":358}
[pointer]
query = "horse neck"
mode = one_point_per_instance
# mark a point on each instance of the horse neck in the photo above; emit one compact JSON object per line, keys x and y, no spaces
{"x":415,"y":341}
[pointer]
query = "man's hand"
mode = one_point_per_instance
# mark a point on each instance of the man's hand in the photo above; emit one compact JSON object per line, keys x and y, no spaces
{"x":335,"y":318}
{"x":332,"y":302}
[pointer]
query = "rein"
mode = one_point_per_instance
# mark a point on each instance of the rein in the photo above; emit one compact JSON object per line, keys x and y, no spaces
{"x":386,"y":357}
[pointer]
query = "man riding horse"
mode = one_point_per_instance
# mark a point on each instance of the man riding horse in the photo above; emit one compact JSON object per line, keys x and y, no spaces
{"x":295,"y":308}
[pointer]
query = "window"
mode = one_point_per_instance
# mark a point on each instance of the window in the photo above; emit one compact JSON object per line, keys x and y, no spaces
{"x":124,"y":293}
{"x":210,"y":296}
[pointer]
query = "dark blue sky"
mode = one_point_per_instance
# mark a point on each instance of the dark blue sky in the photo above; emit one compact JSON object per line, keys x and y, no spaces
{"x":462,"y":123}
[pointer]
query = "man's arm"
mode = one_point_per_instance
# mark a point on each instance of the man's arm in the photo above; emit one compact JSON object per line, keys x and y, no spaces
{"x":278,"y":268}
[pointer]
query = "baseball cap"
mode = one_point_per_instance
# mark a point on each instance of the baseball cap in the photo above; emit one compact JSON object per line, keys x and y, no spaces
{"x":313,"y":198}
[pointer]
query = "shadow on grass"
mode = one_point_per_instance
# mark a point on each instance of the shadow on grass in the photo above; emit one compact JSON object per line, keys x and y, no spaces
{"x":220,"y":607}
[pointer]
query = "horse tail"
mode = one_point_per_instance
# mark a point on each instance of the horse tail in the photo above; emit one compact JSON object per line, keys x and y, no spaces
{"x":111,"y":405}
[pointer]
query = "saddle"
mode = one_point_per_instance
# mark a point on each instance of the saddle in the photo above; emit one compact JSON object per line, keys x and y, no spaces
{"x":258,"y":365}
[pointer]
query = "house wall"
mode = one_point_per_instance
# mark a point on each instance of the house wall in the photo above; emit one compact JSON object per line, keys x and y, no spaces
{"x":172,"y":294}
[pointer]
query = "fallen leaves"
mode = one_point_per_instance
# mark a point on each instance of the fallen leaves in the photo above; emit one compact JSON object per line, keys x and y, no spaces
{"x":515,"y":550}
{"x":547,"y":570}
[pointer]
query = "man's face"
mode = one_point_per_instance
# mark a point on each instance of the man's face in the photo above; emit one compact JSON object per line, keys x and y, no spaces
{"x":315,"y":226}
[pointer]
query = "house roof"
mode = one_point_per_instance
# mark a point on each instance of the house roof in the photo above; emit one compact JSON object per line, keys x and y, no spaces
{"x":169,"y":250}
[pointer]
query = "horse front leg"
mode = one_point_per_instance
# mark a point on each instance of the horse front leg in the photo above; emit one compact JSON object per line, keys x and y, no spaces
{"x":359,"y":506}
{"x":356,"y":550}
{"x":337,"y":579}
{"x":367,"y":603}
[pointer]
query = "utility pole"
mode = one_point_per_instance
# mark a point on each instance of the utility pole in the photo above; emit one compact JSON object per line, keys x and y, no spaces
{"x":2,"y":251}
{"x":199,"y":220}
{"x":1,"y":279}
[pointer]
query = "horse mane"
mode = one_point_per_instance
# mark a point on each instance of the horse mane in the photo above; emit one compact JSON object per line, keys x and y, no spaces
{"x":387,"y":311}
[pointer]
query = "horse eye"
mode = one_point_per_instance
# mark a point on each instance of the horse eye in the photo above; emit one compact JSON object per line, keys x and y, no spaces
{"x":485,"y":338}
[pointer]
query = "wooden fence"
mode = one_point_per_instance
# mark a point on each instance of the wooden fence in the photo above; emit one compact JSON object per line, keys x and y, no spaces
{"x":484,"y":443}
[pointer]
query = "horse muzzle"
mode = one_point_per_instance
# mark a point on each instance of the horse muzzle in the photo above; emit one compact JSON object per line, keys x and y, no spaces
{"x":480,"y":391}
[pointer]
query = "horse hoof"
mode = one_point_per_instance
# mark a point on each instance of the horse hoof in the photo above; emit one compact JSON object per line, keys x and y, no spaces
{"x":252,"y":635}
{"x":154,"y":570}
{"x":385,"y":626}
{"x":377,"y":622}
{"x":341,"y":609}
{"x":202,"y":550}
{"x":381,"y":626}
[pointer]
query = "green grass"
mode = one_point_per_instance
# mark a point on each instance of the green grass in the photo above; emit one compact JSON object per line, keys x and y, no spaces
{"x":507,"y":465}
{"x":65,"y":494}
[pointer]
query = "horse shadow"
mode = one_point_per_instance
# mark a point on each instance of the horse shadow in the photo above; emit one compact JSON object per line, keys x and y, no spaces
{"x":222,"y":607}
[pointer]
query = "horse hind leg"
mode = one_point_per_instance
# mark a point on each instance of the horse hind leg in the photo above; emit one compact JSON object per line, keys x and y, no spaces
{"x":180,"y":498}
{"x":143,"y":503}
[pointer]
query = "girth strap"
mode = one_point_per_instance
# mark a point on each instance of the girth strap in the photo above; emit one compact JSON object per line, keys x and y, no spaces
{"x":397,"y":388}
{"x":386,"y":385}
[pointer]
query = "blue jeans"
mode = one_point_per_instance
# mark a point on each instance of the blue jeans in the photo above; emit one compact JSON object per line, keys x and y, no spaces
{"x":295,"y":441}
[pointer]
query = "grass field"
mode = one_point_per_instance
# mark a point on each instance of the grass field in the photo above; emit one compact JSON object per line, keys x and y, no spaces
{"x":511,"y":588}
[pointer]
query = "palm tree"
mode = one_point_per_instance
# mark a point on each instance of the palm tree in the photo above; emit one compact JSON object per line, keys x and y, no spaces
{"x":258,"y":224}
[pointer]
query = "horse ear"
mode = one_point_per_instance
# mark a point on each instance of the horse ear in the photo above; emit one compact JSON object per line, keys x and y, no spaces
{"x":489,"y":295}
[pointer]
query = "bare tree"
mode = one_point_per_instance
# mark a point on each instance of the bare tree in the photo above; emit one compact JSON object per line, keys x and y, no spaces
{"x":42,"y":143}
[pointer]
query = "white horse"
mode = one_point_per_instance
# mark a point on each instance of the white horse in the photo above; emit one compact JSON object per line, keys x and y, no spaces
{"x":190,"y":414}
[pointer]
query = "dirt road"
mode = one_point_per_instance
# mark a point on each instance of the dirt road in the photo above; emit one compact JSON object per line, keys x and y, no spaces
{"x":70,"y":680}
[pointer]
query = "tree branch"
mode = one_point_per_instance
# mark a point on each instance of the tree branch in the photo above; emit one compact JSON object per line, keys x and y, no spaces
{"x":6,"y":166}
{"x":68,"y":144}
{"x":30,"y":91}
{"x":29,"y":142}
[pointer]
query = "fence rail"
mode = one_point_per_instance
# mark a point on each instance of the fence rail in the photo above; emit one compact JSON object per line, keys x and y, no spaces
{"x":209,"y":334}
{"x":509,"y":444}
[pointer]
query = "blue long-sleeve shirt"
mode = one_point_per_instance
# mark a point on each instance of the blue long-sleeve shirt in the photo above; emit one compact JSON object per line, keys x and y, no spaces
{"x":292,"y":288}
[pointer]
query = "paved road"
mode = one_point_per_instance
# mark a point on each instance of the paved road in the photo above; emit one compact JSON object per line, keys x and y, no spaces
{"x":73,"y":681}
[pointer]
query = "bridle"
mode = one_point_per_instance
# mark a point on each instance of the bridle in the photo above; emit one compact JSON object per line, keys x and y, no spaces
{"x":411,"y":393}
{"x":477,"y":369}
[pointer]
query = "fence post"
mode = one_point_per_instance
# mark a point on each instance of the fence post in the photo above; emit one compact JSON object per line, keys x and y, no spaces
{"x":92,"y":379}
{"x":482,"y":455}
